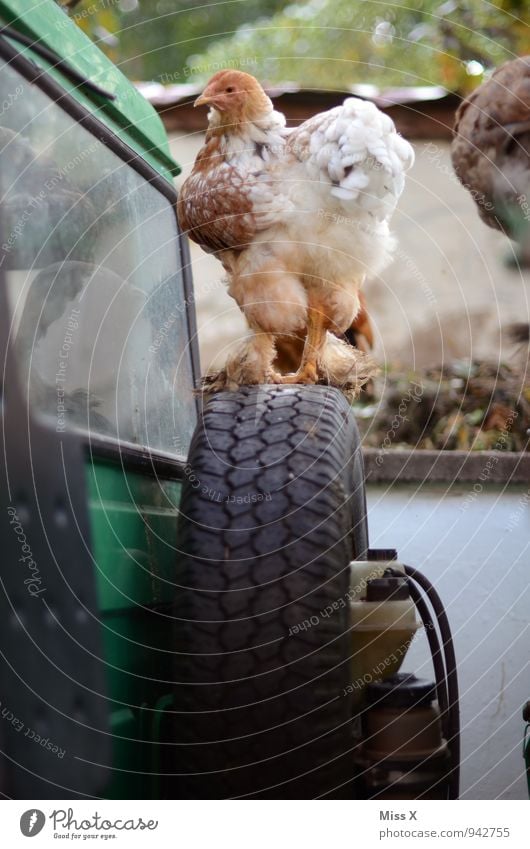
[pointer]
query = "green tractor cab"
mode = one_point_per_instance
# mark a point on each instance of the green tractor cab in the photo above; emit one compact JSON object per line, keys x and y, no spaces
{"x":175,"y":581}
{"x":98,"y":407}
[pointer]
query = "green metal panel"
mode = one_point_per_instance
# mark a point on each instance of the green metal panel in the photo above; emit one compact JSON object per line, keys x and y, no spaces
{"x":134,"y":521}
{"x":130,"y":116}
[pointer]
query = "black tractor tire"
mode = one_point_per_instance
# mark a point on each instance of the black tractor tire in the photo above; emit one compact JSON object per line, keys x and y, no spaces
{"x":272,"y":512}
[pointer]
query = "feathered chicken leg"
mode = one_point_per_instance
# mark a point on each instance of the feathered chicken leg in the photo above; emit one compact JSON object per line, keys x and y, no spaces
{"x":317,"y":325}
{"x":289,"y":347}
{"x":250,"y":363}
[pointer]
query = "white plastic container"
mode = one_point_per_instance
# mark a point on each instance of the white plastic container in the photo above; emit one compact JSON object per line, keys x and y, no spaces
{"x":383,"y":622}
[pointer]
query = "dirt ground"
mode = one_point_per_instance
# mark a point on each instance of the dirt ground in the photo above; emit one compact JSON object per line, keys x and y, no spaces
{"x":449,"y":293}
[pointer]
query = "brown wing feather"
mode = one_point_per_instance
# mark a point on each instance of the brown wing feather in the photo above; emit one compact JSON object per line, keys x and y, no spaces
{"x":213,"y":206}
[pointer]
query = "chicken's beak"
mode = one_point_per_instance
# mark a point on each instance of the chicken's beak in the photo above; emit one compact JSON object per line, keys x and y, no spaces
{"x":202,"y":100}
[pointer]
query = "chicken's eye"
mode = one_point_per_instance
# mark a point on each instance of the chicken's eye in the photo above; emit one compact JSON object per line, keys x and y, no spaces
{"x":230,"y":89}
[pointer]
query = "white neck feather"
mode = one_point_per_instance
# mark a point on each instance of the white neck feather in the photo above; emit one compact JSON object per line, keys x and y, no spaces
{"x":268,"y":129}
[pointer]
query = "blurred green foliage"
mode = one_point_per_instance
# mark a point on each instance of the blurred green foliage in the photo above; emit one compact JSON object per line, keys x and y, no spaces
{"x":329,"y":44}
{"x":154,"y":39}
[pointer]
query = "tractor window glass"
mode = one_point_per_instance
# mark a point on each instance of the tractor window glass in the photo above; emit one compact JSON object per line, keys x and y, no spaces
{"x":90,"y":255}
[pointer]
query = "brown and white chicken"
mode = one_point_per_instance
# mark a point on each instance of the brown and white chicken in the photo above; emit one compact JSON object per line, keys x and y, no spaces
{"x":491,"y":157}
{"x":299,"y":218}
{"x":491,"y":148}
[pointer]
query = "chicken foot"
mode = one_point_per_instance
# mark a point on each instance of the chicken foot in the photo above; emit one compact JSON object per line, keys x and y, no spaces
{"x":317,"y":324}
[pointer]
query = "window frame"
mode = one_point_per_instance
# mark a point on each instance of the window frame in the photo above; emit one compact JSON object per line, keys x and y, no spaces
{"x":141,"y":457}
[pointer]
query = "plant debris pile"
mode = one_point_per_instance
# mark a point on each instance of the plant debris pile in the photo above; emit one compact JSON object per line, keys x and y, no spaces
{"x":467,"y":406}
